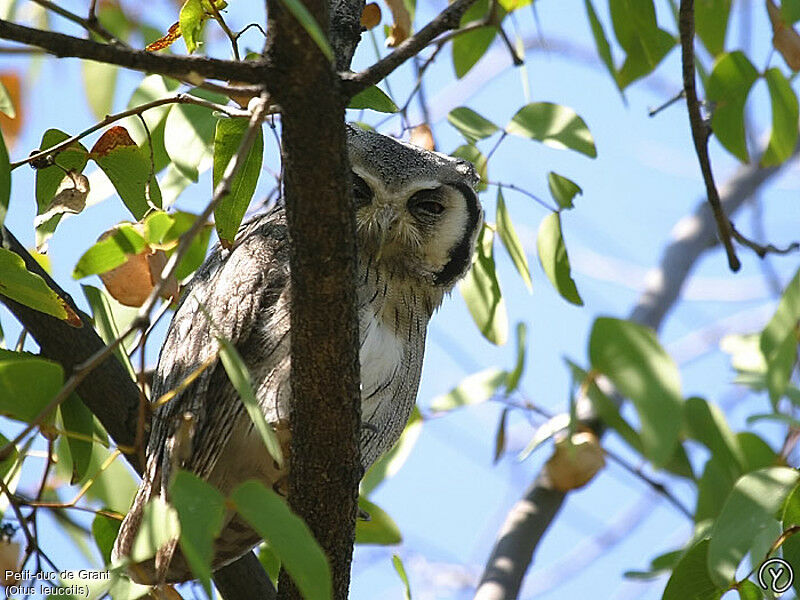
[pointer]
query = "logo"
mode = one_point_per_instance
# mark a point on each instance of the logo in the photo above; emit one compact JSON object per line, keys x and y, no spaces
{"x":776,"y":575}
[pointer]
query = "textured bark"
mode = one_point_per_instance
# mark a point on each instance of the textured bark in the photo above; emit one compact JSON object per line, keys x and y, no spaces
{"x":324,"y":457}
{"x":529,"y":519}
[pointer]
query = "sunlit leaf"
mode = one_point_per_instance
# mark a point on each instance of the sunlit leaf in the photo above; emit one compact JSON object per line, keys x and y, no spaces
{"x":706,"y":423}
{"x":380,"y":530}
{"x":240,"y":378}
{"x":511,"y":242}
{"x":110,"y":251}
{"x":778,"y":341}
{"x":390,"y":463}
{"x":750,"y":507}
{"x":5,"y":179}
{"x":472,"y":126}
{"x":401,"y":571}
{"x":6,"y":104}
{"x":632,"y":358}
{"x":230,"y":210}
{"x":373,"y":98}
{"x":288,"y":536}
{"x":27,"y":385}
{"x":554,"y":259}
{"x":478,"y":387}
{"x":600,"y":40}
{"x":727,"y":87}
{"x":30,"y":289}
{"x":515,"y":375}
{"x":481,"y":291}
{"x":711,"y":23}
{"x":468,"y":48}
{"x":189,"y":134}
{"x":690,"y":579}
{"x":104,"y":532}
{"x":562,"y":189}
{"x":191,"y":19}
{"x":201,"y":510}
{"x":785,"y":114}
{"x":553,"y":125}
{"x":99,"y":83}
{"x":159,"y":526}
{"x":129,"y":169}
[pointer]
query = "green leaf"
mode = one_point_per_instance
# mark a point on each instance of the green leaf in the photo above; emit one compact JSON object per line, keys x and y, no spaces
{"x":373,"y":98}
{"x":505,"y":229}
{"x":630,"y":355}
{"x":476,"y":388}
{"x":778,"y":341}
{"x":750,"y":507}
{"x":105,"y":314}
{"x":27,"y":385}
{"x":690,"y":579}
{"x":554,"y":259}
{"x":230,"y":211}
{"x":201,"y":512}
{"x":191,"y":20}
{"x":471,"y":153}
{"x":113,"y":484}
{"x":471,"y":125}
{"x":790,"y":518}
{"x":468,"y":48}
{"x":104,"y":532}
{"x":390,"y":463}
{"x":5,"y":179}
{"x":727,"y":87}
{"x":706,"y":423}
{"x":288,"y":536}
{"x":380,"y":530}
{"x":749,"y":591}
{"x":401,"y":571}
{"x":481,"y":291}
{"x":6,"y":103}
{"x":110,"y":252}
{"x":658,"y":566}
{"x":159,"y":526}
{"x":600,"y":40}
{"x":790,"y":11}
{"x":240,"y":378}
{"x":79,"y":420}
{"x":638,"y":33}
{"x":152,"y":87}
{"x":555,"y":126}
{"x":270,"y":561}
{"x":129,"y":169}
{"x":188,"y":135}
{"x":31,"y":290}
{"x":515,"y":375}
{"x":309,"y":23}
{"x":545,"y":431}
{"x":562,"y":190}
{"x":785,"y":115}
{"x":711,"y":19}
{"x":99,"y":83}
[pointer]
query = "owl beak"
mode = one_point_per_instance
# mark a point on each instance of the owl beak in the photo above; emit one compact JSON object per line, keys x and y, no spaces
{"x":385,"y":218}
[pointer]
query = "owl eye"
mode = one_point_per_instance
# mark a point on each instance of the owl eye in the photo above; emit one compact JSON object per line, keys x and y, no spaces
{"x":361,"y":191}
{"x":426,"y":203}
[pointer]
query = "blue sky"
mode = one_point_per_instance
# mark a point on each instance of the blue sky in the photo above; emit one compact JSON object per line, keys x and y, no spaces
{"x":449,"y":499}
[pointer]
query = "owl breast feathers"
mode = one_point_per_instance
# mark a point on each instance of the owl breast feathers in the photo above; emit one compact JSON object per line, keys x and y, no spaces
{"x":417,"y":219}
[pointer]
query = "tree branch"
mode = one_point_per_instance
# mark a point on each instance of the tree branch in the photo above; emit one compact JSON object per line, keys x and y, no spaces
{"x":700,"y":131}
{"x":449,"y":18}
{"x":527,"y":522}
{"x":181,"y":67}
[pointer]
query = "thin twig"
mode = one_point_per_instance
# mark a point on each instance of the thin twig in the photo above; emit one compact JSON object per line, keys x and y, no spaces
{"x":762,"y":249}
{"x":138,"y":110}
{"x":449,"y":18}
{"x":91,"y":24}
{"x":233,"y":37}
{"x":254,"y":72}
{"x":524,"y":192}
{"x":700,"y":132}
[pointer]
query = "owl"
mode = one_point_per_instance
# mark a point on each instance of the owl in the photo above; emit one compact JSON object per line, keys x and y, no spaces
{"x":417,"y":217}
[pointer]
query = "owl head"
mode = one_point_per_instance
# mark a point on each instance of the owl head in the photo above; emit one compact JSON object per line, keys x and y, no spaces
{"x":417,"y":211}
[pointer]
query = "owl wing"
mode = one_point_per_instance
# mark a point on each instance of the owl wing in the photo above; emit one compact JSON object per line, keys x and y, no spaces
{"x":230,"y":296}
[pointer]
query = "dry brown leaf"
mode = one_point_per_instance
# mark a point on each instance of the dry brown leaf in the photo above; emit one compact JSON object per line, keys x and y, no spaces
{"x":131,"y":282}
{"x":401,"y":28}
{"x":575,"y":461}
{"x":422,"y":136}
{"x":70,"y":197}
{"x":12,"y":127}
{"x":784,"y":38}
{"x":371,"y":16}
{"x":113,"y":138}
{"x":173,"y":34}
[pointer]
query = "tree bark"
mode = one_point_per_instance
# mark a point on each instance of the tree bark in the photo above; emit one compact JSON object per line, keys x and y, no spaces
{"x":325,"y":421}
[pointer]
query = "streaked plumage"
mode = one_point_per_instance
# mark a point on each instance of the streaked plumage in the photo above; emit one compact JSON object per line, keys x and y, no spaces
{"x":417,"y":217}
